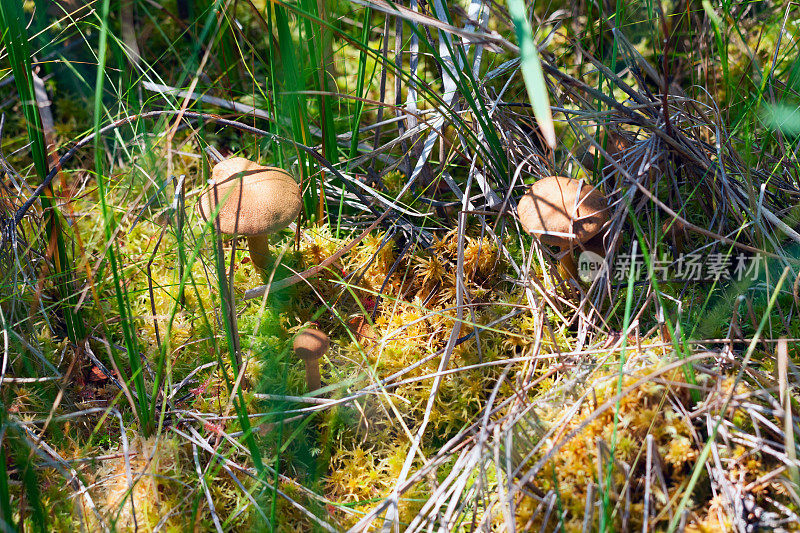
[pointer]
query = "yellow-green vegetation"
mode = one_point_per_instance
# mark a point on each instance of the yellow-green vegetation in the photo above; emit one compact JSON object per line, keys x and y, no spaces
{"x":408,"y":310}
{"x":654,"y":404}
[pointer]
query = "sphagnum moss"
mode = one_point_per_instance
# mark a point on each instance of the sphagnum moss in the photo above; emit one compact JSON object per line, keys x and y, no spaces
{"x":423,"y":287}
{"x":648,"y":409}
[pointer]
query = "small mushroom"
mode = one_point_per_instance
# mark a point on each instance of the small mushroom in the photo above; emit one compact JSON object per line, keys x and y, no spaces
{"x":310,"y":345}
{"x":258,"y":201}
{"x":362,"y":329}
{"x":615,"y":146}
{"x":675,"y":234}
{"x":565,"y":213}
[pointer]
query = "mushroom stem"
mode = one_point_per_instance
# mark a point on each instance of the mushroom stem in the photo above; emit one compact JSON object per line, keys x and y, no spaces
{"x":259,"y":250}
{"x":567,"y":263}
{"x":312,"y":374}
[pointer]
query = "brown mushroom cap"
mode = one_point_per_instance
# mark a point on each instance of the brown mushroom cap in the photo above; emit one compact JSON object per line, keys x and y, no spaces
{"x":311,"y":344}
{"x":257,"y":200}
{"x":550,"y":206}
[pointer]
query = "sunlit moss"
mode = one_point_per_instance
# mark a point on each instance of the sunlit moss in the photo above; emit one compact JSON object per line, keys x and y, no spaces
{"x":646,"y":409}
{"x":361,"y":476}
{"x":155,"y":467}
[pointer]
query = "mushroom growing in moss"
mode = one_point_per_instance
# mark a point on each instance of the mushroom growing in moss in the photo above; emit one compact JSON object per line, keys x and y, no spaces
{"x":615,"y":147}
{"x":566,"y":213}
{"x":310,"y":345}
{"x":253,"y":200}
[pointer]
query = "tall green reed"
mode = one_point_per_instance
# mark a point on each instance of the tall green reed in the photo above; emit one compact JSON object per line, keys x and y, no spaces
{"x":134,"y":354}
{"x":15,"y":38}
{"x":16,"y":42}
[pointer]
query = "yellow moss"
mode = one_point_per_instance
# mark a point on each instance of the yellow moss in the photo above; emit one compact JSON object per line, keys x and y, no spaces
{"x":363,"y":474}
{"x":680,"y":451}
{"x":576,"y":461}
{"x":714,"y":520}
{"x":149,"y":461}
{"x":319,"y":246}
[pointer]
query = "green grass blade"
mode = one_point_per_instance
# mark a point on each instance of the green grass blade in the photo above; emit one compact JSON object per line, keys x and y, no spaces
{"x":532,"y":71}
{"x":32,"y":488}
{"x":231,"y":337}
{"x":722,"y":49}
{"x":21,"y":457}
{"x":318,"y":39}
{"x":362,"y":69}
{"x":688,"y":370}
{"x":6,"y":516}
{"x":16,"y":41}
{"x":292,"y":102}
{"x":109,"y":225}
{"x":605,"y":512}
